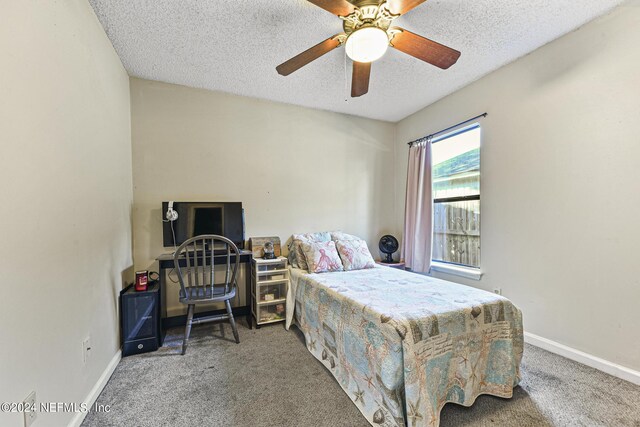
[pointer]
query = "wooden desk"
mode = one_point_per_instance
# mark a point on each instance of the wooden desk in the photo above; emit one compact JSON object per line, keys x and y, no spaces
{"x":165,"y":262}
{"x":399,"y":264}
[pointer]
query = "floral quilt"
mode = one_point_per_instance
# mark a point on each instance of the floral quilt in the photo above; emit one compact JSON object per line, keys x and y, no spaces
{"x":402,"y":345}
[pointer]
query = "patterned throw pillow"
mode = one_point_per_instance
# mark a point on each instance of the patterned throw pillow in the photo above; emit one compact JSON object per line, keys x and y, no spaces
{"x":339,"y":235}
{"x":322,"y":257}
{"x":291,"y":256}
{"x":298,"y":239}
{"x":355,"y":254}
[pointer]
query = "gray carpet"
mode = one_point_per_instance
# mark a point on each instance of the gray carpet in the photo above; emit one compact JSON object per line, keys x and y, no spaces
{"x":270,"y":379}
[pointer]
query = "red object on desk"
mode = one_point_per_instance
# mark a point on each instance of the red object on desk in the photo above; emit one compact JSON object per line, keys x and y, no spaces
{"x":142,"y":279}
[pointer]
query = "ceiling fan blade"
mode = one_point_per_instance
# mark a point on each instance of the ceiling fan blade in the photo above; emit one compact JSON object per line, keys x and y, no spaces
{"x":308,"y":55}
{"x":337,"y":7}
{"x":400,"y":7}
{"x":424,"y":49}
{"x":360,"y":78}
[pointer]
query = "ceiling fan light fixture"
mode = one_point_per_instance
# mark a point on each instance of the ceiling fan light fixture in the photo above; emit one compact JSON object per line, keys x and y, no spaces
{"x":367,"y":44}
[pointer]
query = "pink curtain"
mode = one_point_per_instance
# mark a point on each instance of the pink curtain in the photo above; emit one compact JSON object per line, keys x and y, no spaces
{"x":418,"y":211}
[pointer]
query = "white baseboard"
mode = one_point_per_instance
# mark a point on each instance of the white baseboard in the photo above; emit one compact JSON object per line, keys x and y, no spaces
{"x":97,"y":389}
{"x":584,"y":358}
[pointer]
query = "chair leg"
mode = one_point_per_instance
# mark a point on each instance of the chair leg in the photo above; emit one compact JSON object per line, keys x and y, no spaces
{"x":232,"y":321}
{"x":187,"y":329}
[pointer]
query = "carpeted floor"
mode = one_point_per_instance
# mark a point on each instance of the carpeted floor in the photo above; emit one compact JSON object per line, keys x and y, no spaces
{"x":270,"y":379}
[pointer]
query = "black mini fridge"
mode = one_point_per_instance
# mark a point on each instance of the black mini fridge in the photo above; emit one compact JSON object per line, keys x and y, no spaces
{"x":140,"y":319}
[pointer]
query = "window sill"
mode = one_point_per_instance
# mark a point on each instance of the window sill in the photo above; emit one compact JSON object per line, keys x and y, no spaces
{"x":457,"y":270}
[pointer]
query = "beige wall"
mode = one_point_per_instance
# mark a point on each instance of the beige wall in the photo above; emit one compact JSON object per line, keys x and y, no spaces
{"x":560,"y":187}
{"x":294,"y":169}
{"x":559,"y":199}
{"x":65,"y":168}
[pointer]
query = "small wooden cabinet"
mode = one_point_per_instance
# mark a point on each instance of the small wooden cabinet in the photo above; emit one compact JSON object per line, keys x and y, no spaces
{"x":269,"y":285}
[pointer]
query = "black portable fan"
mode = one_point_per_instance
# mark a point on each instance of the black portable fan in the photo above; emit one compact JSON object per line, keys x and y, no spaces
{"x":388,"y":245}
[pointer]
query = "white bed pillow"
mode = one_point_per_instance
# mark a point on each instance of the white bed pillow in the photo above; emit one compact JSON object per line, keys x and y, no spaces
{"x":298,"y":239}
{"x":321,"y":257}
{"x":355,"y":254}
{"x":339,"y":235}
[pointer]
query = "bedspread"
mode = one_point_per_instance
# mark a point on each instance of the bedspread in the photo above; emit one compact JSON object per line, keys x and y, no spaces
{"x":401,"y":345}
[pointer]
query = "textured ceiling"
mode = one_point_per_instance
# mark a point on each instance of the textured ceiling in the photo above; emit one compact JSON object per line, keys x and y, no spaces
{"x":234,"y":46}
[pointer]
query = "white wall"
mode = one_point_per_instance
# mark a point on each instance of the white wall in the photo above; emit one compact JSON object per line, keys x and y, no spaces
{"x":65,"y":168}
{"x":560,"y":188}
{"x":294,"y":169}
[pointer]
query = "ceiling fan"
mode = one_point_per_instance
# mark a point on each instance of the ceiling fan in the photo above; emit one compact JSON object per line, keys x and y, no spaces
{"x":367,"y":34}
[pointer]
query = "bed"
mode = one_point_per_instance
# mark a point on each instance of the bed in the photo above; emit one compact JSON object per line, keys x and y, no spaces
{"x":402,"y":345}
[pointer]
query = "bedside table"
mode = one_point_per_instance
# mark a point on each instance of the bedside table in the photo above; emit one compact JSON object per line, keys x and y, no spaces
{"x":269,"y":285}
{"x":399,"y":265}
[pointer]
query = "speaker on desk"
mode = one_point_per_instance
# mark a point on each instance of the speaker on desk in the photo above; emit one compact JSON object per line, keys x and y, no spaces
{"x":139,"y":319}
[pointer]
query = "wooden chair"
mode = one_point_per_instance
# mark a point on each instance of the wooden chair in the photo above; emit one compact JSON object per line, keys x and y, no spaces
{"x":194,"y":261}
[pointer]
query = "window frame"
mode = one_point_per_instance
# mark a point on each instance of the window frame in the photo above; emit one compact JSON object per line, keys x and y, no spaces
{"x":464,"y":270}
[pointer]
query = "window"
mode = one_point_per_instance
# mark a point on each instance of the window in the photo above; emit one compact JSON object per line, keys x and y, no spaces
{"x":456,"y":194}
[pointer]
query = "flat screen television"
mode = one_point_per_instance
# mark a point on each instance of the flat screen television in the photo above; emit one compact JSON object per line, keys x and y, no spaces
{"x":197,"y":218}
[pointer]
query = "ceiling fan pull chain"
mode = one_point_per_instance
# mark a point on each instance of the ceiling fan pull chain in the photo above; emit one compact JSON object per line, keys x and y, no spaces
{"x":346,"y":79}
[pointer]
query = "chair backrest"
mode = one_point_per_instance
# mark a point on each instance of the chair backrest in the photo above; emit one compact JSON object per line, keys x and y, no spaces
{"x":198,"y":256}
